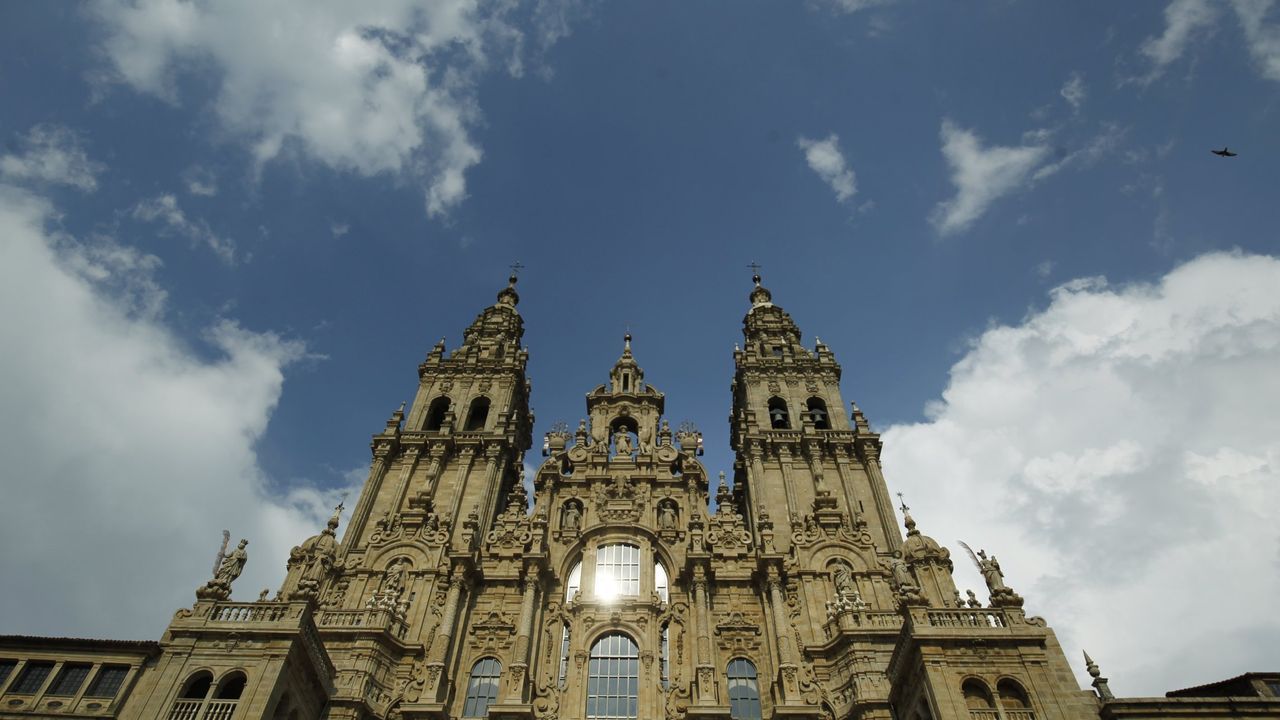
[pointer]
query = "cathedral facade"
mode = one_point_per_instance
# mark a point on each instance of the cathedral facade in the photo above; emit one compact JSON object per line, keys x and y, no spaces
{"x":631,"y":584}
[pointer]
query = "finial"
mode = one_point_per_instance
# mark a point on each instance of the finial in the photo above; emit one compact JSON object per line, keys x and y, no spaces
{"x":626,"y":341}
{"x":1091,"y":666}
{"x":402,"y":404}
{"x":516,"y":267}
{"x":903,"y":507}
{"x":755,"y":272}
{"x":1099,"y":683}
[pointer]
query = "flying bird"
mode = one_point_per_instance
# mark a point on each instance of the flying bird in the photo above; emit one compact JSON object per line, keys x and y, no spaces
{"x":1224,"y":152}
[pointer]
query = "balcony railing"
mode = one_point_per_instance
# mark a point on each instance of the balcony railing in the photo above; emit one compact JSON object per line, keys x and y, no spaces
{"x":1019,"y":715}
{"x":983,"y":715}
{"x":213,"y":710}
{"x":984,"y":618}
{"x":220,"y":710}
{"x":185,"y":709}
{"x":368,"y":618}
{"x":248,"y":612}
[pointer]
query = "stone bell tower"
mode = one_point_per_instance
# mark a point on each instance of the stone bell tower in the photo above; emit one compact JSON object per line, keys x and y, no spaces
{"x":438,"y":481}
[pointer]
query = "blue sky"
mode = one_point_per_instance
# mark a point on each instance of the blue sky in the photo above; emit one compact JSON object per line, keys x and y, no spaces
{"x":278,"y":208}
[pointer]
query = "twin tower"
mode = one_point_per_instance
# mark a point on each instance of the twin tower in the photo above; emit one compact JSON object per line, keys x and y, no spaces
{"x":616,"y":591}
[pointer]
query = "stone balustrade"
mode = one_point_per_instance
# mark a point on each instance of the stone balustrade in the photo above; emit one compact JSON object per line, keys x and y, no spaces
{"x":984,"y":715}
{"x":185,"y":709}
{"x":219,"y":710}
{"x":363,"y":619}
{"x":976,"y":618}
{"x":248,"y":612}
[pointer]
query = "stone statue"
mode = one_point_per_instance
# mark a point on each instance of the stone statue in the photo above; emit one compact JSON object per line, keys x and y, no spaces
{"x":973,"y":599}
{"x":262,"y":596}
{"x":394,"y":581}
{"x":991,"y":573}
{"x":667,"y":519}
{"x":902,"y":577}
{"x":645,"y":434}
{"x":572,"y":517}
{"x":842,"y":576}
{"x":622,"y":443}
{"x":232,"y":565}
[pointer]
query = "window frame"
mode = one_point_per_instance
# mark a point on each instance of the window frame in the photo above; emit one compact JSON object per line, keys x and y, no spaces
{"x":95,"y":686}
{"x":746,"y":705}
{"x":474,"y":700}
{"x":56,"y":688}
{"x":613,"y":678}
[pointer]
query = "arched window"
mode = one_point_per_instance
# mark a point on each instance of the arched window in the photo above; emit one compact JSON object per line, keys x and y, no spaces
{"x":613,"y":679}
{"x":564,"y":657}
{"x":231,"y":687}
{"x":778,"y":417}
{"x":744,"y":692}
{"x":197,"y":686}
{"x":660,"y":581}
{"x":436,"y":412}
{"x":617,"y":571}
{"x":978,"y":699}
{"x":477,"y":414}
{"x":1013,"y":699}
{"x":664,"y":657}
{"x":818,"y":414}
{"x":482,"y":690}
{"x":192,"y":698}
{"x":574,"y":585}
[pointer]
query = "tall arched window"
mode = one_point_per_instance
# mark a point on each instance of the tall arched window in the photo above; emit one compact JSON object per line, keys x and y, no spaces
{"x":664,"y":657}
{"x":477,"y":414}
{"x":1013,"y":700}
{"x":617,"y":571}
{"x":564,"y":657}
{"x":744,"y":691}
{"x":482,"y":689}
{"x":818,"y":414}
{"x":978,"y":699}
{"x":436,"y":412}
{"x":660,"y":581}
{"x":779,"y":419}
{"x":192,"y":698}
{"x":574,"y":585}
{"x":613,"y":679}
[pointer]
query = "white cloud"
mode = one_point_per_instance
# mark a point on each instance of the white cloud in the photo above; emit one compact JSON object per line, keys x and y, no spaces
{"x":981,"y":175}
{"x":1183,"y":20}
{"x":51,"y":154}
{"x":1263,"y":38}
{"x":1074,"y":91}
{"x":126,"y":453}
{"x":368,"y":88}
{"x":825,"y":159}
{"x":1119,"y":451}
{"x":200,"y":181}
{"x":164,"y":209}
{"x":339,"y":229}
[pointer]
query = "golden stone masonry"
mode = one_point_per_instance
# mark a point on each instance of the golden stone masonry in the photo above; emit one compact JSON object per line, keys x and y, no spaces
{"x":620,"y":594}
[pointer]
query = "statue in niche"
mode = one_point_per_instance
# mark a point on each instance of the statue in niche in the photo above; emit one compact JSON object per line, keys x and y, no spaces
{"x":599,"y":436}
{"x":394,"y":582}
{"x":668,"y":518}
{"x":842,"y":577}
{"x":572,"y":518}
{"x":645,"y":435}
{"x":622,"y":443}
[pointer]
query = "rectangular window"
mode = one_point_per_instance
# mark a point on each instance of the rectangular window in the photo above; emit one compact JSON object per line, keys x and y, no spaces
{"x":6,"y":668}
{"x":32,"y":678}
{"x":108,"y":681}
{"x":69,"y":679}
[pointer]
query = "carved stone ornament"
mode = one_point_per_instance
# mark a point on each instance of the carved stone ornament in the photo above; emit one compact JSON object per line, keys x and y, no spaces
{"x":494,"y":632}
{"x":737,"y":633}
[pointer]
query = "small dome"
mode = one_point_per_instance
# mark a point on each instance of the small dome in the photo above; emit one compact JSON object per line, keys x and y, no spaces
{"x":919,"y":546}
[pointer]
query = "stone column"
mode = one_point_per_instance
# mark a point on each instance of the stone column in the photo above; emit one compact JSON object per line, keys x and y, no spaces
{"x":788,"y":671}
{"x":437,"y":685}
{"x":360,"y":516}
{"x":879,"y":490}
{"x":466,"y":455}
{"x":706,"y":670}
{"x":408,"y":465}
{"x":520,"y":656}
